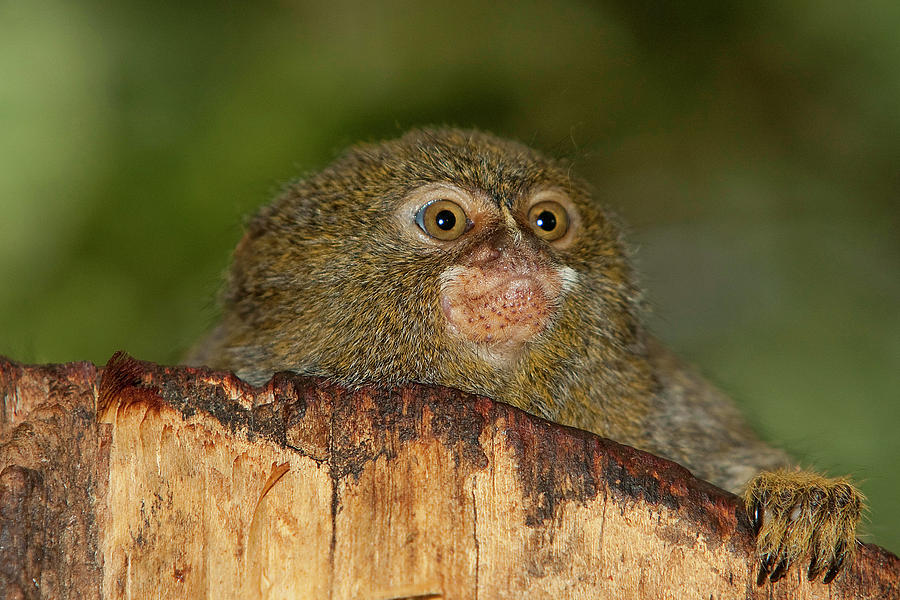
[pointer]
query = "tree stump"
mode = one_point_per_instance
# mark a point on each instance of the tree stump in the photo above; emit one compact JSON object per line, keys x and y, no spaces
{"x":142,"y":481}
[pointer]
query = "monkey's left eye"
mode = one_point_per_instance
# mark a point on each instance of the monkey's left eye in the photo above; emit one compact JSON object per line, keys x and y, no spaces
{"x":549,"y":220}
{"x":443,"y":219}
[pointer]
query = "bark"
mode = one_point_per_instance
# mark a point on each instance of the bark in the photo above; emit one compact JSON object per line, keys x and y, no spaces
{"x":142,"y":481}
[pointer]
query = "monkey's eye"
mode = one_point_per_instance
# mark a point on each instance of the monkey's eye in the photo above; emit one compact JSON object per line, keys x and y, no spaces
{"x":443,"y":219}
{"x":549,"y":220}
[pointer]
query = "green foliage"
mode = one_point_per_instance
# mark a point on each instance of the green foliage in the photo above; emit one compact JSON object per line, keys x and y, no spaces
{"x":753,"y":149}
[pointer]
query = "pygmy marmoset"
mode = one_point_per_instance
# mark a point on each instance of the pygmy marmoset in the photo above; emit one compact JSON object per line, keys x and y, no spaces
{"x":456,"y":258}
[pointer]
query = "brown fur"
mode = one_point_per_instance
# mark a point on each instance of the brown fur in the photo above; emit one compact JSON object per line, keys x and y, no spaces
{"x":326,"y":282}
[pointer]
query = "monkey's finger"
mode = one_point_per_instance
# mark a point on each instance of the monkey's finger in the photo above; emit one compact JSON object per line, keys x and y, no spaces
{"x":840,"y":556}
{"x":816,"y":565}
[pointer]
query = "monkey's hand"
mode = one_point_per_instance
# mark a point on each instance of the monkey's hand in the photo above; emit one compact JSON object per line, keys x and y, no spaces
{"x":802,"y":516}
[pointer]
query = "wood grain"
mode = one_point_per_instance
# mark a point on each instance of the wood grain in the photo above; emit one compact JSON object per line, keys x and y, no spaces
{"x":142,"y":481}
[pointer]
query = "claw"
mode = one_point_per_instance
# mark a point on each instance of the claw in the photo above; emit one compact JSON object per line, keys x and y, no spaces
{"x":832,"y":572}
{"x":815,"y":569}
{"x":765,"y":567}
{"x":758,"y":512}
{"x":839,"y":556}
{"x":780,"y":570}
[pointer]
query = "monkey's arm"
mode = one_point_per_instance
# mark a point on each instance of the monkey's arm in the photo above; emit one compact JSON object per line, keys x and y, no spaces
{"x":799,"y":515}
{"x":695,"y":424}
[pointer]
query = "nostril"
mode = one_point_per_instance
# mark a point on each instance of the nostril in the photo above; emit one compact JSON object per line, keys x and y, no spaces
{"x":497,"y":246}
{"x":488,"y":252}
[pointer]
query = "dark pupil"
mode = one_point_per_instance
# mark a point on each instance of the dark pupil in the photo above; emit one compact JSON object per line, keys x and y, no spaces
{"x":546,"y":221}
{"x":446,"y":220}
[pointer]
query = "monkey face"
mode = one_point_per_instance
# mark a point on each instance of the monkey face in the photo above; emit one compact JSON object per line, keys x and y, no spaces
{"x":445,"y":256}
{"x":503,"y":288}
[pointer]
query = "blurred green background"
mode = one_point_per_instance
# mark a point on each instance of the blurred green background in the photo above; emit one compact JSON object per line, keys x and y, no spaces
{"x":754,"y":150}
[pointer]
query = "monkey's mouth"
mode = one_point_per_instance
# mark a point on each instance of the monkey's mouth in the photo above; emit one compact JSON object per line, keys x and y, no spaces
{"x":499,"y":310}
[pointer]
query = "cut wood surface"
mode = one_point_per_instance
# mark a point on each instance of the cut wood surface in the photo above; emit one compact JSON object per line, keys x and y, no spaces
{"x":142,"y":481}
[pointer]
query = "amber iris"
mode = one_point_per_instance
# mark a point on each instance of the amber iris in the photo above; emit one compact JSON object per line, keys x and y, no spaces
{"x":549,"y":220}
{"x":442,"y":219}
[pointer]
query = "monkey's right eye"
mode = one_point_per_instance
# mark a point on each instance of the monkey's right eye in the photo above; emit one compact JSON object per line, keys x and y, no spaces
{"x":443,"y":219}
